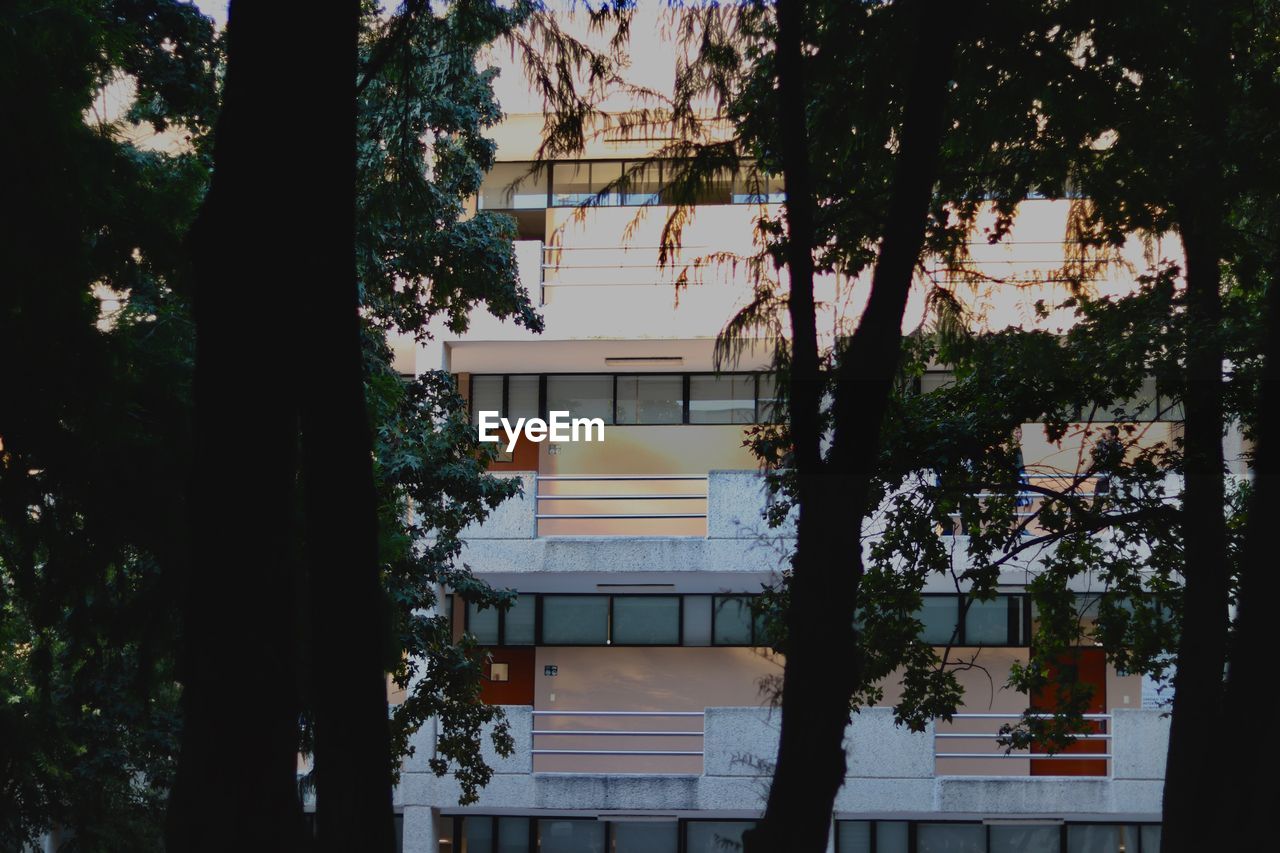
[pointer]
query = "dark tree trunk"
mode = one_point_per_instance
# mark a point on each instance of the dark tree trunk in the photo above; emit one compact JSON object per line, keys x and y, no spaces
{"x":810,"y":764}
{"x":1246,"y":807}
{"x":1195,"y":732}
{"x":349,"y":636}
{"x":236,"y":776}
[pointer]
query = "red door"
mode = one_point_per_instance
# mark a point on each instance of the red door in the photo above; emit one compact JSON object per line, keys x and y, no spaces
{"x":1090,"y":667}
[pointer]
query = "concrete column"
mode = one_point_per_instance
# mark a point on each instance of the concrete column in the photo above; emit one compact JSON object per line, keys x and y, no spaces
{"x":420,"y":834}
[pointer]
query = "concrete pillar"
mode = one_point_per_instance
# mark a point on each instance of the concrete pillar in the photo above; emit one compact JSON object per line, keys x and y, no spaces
{"x":420,"y":834}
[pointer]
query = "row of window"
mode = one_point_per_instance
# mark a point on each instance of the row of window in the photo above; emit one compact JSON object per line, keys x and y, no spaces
{"x":1012,"y":836}
{"x":511,"y":834}
{"x":513,"y":186}
{"x":586,"y":619}
{"x":1150,"y":404}
{"x":618,"y":620}
{"x":647,"y":398}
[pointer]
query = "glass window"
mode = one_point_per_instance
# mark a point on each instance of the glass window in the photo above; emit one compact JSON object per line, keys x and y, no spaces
{"x":644,"y":836}
{"x":1101,"y":838}
{"x":853,"y":836}
{"x":650,"y":399}
{"x":518,"y":629}
{"x":1150,"y":837}
{"x":752,"y":187}
{"x":510,"y":186}
{"x":652,"y":620}
{"x":575,"y":620}
{"x":604,"y":175}
{"x":939,"y":614}
{"x":715,"y":836}
{"x":571,"y":836}
{"x":722,"y":399}
{"x":486,"y":395}
{"x":570,"y":184}
{"x":697,"y":620}
{"x":766,"y":398}
{"x":1024,"y":839}
{"x":644,"y":184}
{"x":522,"y":397}
{"x":584,"y":396}
{"x":892,"y":836}
{"x":986,"y":623}
{"x":477,"y":834}
{"x":483,"y":624}
{"x":444,"y":834}
{"x":513,"y":835}
{"x":932,"y":380}
{"x":732,"y":624}
{"x":951,"y":838}
{"x":716,"y":189}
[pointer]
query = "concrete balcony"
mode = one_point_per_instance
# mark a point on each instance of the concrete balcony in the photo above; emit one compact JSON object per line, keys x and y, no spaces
{"x":892,"y":771}
{"x":523,"y":535}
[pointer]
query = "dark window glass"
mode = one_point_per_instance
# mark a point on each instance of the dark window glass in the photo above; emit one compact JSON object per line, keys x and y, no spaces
{"x":583,"y":396}
{"x":607,"y":174}
{"x":652,"y":620}
{"x":766,"y":399}
{"x":570,"y":184}
{"x":522,"y":397}
{"x":486,"y":396}
{"x":939,"y":614}
{"x":1101,"y":838}
{"x":650,"y":399}
{"x":477,"y":834}
{"x":483,"y":624}
{"x":715,"y":836}
{"x":1025,"y":839}
{"x":518,"y":628}
{"x":722,"y":399}
{"x":697,"y":620}
{"x":571,"y":836}
{"x":509,"y":186}
{"x":444,"y":834}
{"x":854,"y":836}
{"x":575,"y":620}
{"x":892,"y":836}
{"x":644,"y":836}
{"x":733,"y":621}
{"x":751,"y":187}
{"x":951,"y":838}
{"x":644,"y":184}
{"x":513,"y":835}
{"x":986,"y":623}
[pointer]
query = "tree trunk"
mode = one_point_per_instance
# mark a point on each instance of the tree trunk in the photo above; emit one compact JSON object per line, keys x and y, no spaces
{"x":1195,"y":731}
{"x":349,"y":637}
{"x":237,"y":768}
{"x":1247,"y":792}
{"x":827,"y":569}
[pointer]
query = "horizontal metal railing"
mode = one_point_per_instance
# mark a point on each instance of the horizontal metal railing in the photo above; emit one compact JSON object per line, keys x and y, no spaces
{"x":663,"y":503}
{"x":1102,"y":722}
{"x":613,"y":731}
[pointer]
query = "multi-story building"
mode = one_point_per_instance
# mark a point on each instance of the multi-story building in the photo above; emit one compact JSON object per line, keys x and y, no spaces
{"x":631,"y":668}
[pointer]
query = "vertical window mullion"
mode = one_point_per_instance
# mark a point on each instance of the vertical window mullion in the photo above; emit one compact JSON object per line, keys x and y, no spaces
{"x":506,"y":394}
{"x":615,"y":398}
{"x":684,"y":418}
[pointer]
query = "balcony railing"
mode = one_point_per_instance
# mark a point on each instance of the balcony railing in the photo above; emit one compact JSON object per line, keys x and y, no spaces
{"x":626,"y":505}
{"x":970,"y":742}
{"x":620,"y":741}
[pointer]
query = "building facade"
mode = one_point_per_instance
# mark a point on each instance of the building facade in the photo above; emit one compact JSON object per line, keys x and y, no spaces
{"x":630,"y":667}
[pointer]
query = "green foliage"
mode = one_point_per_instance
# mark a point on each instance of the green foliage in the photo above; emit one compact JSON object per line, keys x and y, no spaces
{"x":94,"y":413}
